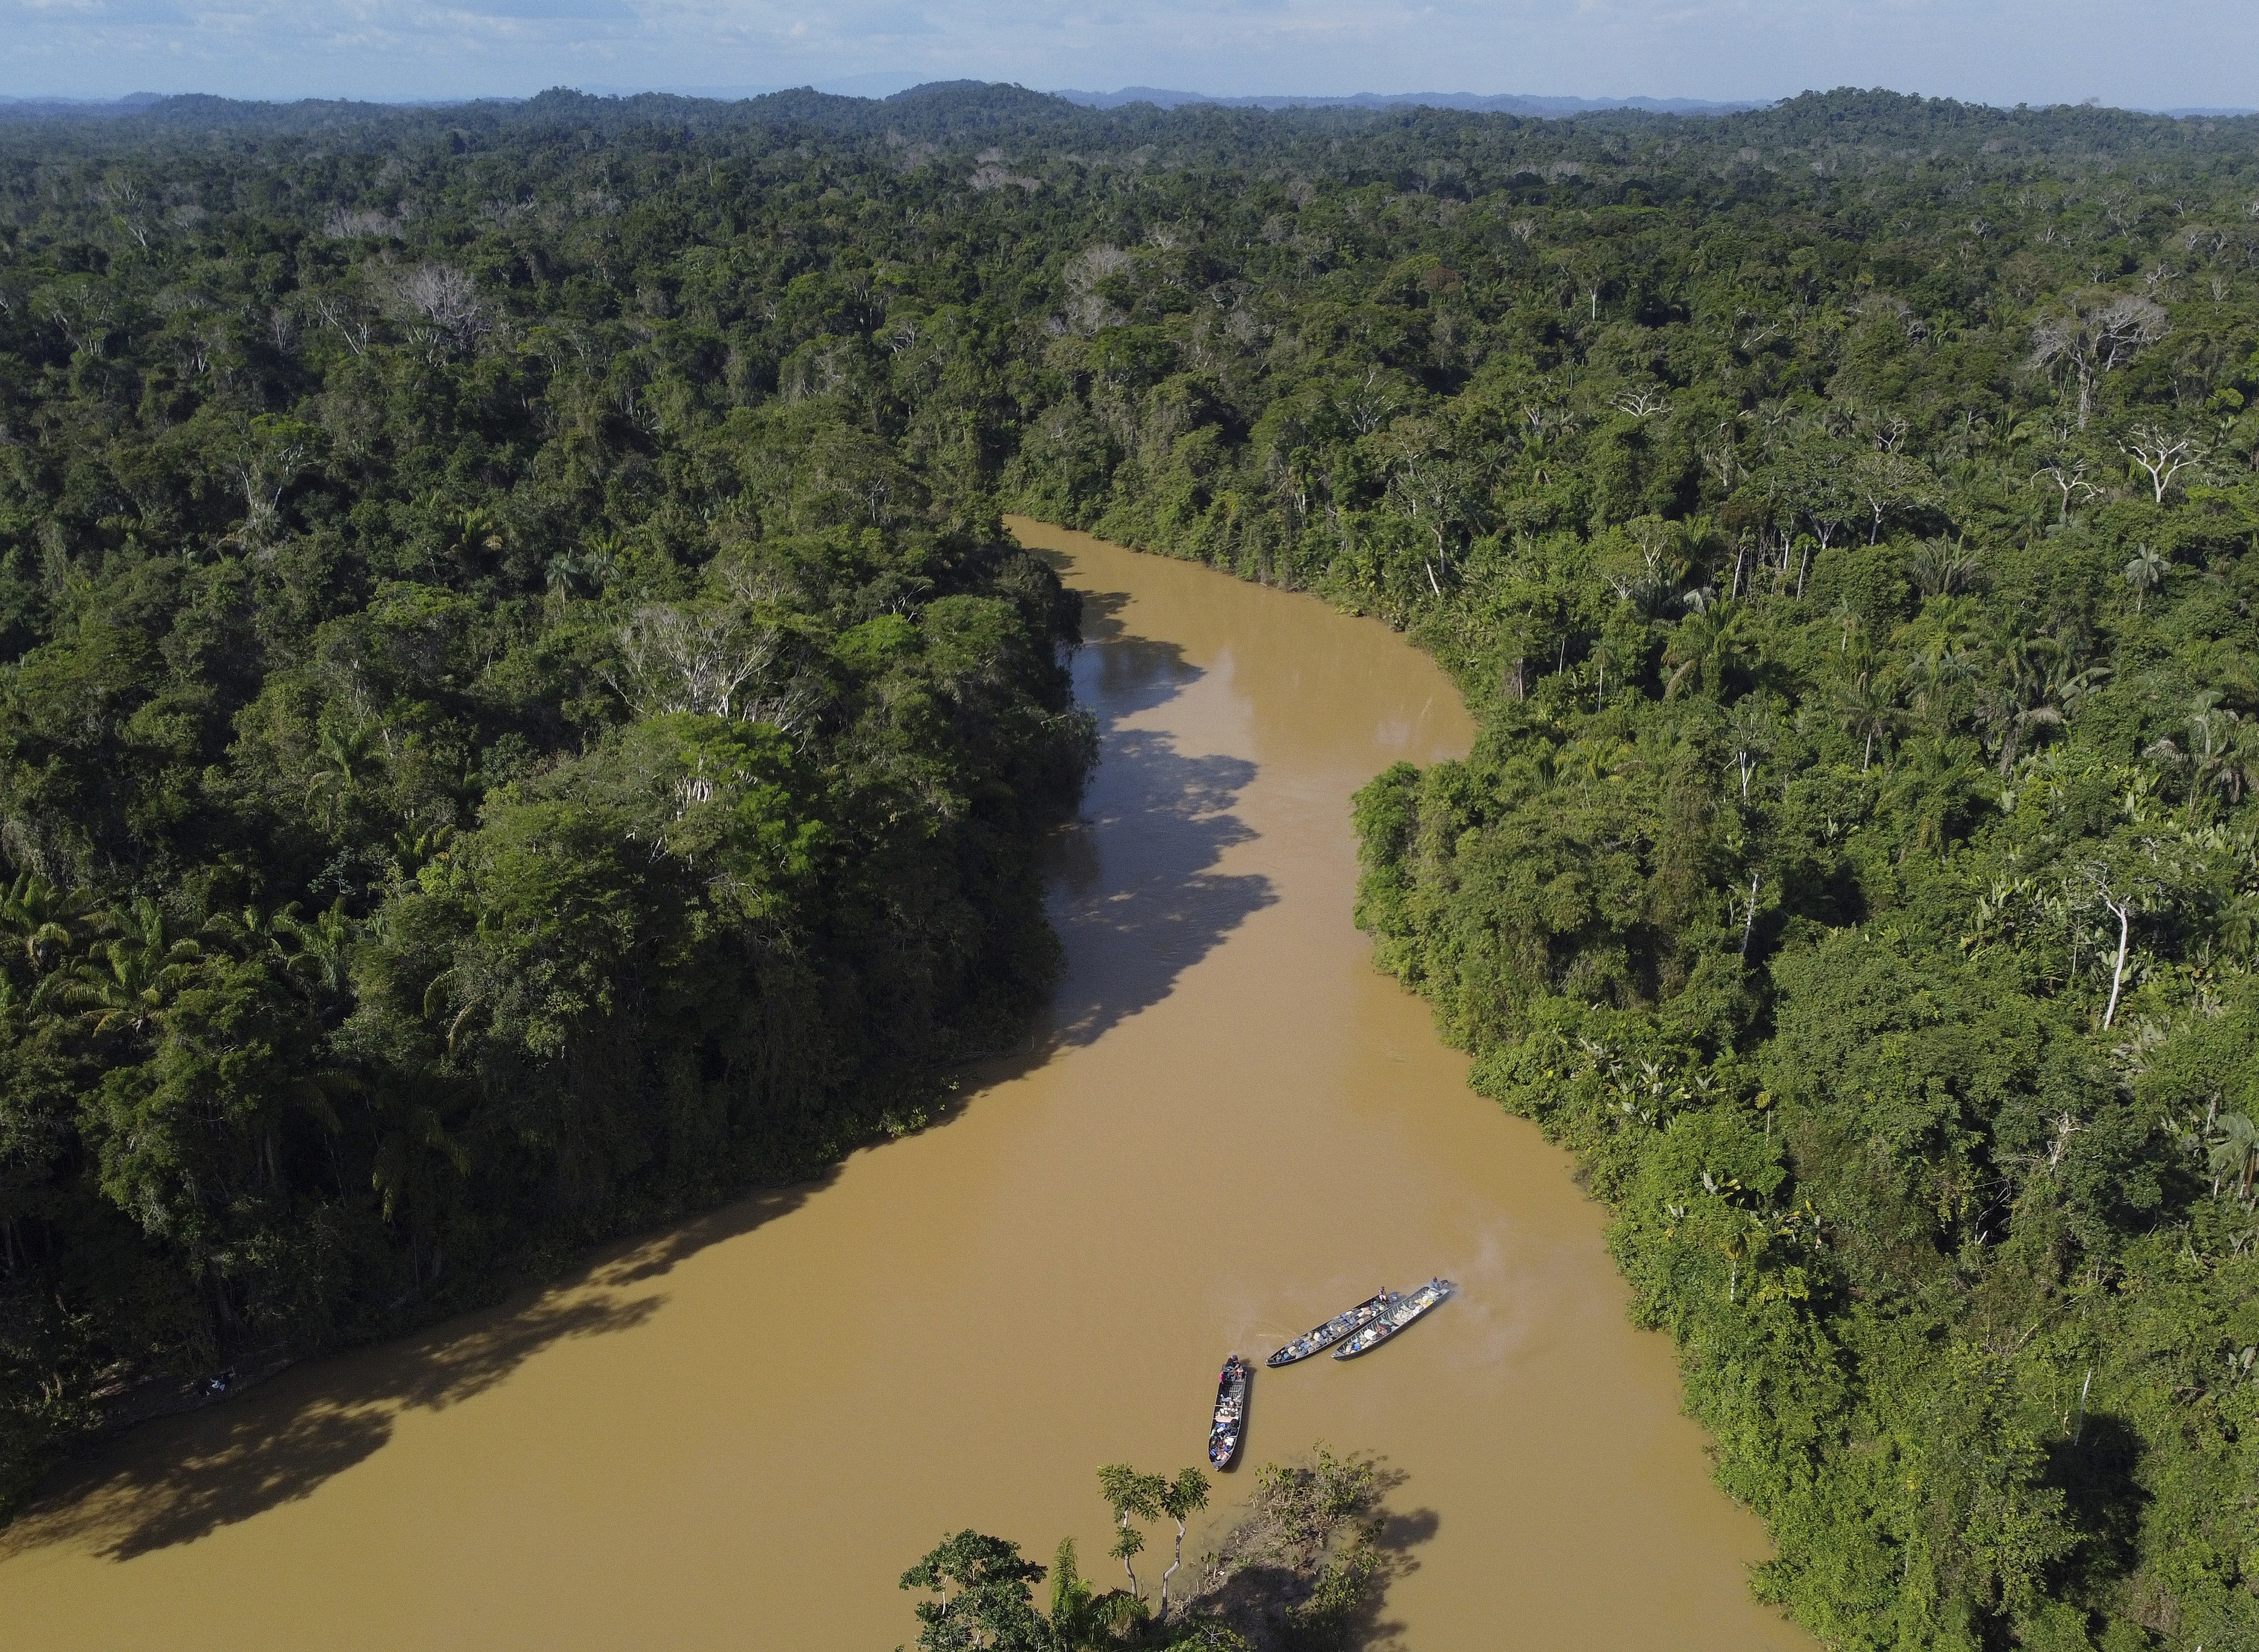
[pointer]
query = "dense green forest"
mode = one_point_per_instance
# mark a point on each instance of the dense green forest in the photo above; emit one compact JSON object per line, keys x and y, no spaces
{"x":475,"y":774}
{"x":1843,"y":518}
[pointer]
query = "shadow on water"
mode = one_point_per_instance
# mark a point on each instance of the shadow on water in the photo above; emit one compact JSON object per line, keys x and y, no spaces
{"x":1118,"y":674}
{"x":1274,"y":1574}
{"x":175,"y":1481}
{"x":1400,"y":1533}
{"x":1136,"y":896}
{"x":1137,"y":900}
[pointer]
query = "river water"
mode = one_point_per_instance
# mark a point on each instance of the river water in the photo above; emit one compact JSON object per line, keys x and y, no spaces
{"x":737,"y":1434}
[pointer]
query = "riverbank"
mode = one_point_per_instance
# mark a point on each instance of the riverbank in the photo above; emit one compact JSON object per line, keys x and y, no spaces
{"x":1231,"y":1125}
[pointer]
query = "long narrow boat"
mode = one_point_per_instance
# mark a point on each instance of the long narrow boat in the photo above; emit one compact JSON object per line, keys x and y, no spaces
{"x":1334,"y":1330}
{"x":1401,"y":1314}
{"x":1230,"y":1424}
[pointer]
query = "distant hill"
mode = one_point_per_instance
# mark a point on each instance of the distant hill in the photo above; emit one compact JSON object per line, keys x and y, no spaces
{"x":945,"y":111}
{"x":132,"y":103}
{"x":1500,"y":104}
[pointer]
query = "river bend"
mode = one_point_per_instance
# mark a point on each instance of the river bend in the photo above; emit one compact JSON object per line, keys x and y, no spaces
{"x":736,"y":1435}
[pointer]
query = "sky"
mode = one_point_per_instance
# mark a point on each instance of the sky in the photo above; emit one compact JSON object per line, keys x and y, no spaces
{"x":2136,"y":53}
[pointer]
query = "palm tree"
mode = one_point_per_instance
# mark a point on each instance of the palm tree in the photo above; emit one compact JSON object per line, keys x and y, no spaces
{"x":1931,"y":784}
{"x":1073,"y":1600}
{"x":1946,"y":642}
{"x":1082,"y":1618}
{"x":252,"y":932}
{"x":40,"y":915}
{"x":129,"y":981}
{"x":2220,"y":751}
{"x":2030,"y":683}
{"x":1704,"y":646}
{"x":471,"y":529}
{"x":2236,"y":1155}
{"x":411,"y":851}
{"x":2239,"y":925}
{"x":2145,"y":573}
{"x":1866,"y":710}
{"x":324,"y":945}
{"x":1600,"y":758}
{"x":1940,"y":568}
{"x":344,"y":760}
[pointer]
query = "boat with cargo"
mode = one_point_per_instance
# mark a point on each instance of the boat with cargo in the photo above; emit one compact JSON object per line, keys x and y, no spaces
{"x":1395,"y":1318}
{"x":1346,"y":1323}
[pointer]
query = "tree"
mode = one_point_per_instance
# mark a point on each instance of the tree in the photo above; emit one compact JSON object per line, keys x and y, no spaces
{"x":2160,"y":455}
{"x":128,"y":981}
{"x":1704,"y":649}
{"x":2095,"y":333}
{"x":40,"y":915}
{"x":1888,"y":484}
{"x":2121,"y":905}
{"x":345,"y":759}
{"x":1132,"y":1497}
{"x":2070,"y":480}
{"x":678,"y":659}
{"x":2234,"y":1155}
{"x":443,"y":309}
{"x":1866,"y":710}
{"x":1177,"y":1501}
{"x":1813,"y":478}
{"x":987,"y":1602}
{"x":1305,"y":1549}
{"x":2145,"y":573}
{"x":1753,"y":728}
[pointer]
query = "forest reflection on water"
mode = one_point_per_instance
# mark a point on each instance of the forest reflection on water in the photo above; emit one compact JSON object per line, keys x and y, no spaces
{"x":741,"y":1430}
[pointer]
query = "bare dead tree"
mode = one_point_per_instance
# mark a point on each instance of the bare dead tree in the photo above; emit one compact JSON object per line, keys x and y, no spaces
{"x":674,"y":659}
{"x":334,"y":315}
{"x":1749,"y":910}
{"x":2122,"y":909}
{"x":1366,"y":408}
{"x":2095,"y":335}
{"x":444,"y":304}
{"x":264,"y":472}
{"x":2160,"y":454}
{"x":2070,"y":479}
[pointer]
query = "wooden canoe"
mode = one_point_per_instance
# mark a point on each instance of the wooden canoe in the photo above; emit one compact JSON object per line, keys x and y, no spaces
{"x":1229,"y":1425}
{"x":1394,"y":1319}
{"x":1320,"y":1338}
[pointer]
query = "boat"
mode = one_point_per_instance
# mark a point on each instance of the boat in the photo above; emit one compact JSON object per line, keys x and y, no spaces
{"x":1334,"y":1330}
{"x":1395,"y":1318}
{"x":1230,"y":1425}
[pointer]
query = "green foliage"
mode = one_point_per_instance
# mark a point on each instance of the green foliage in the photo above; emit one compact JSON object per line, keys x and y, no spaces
{"x":553,"y":544}
{"x":477,"y":773}
{"x":1297,"y":1570}
{"x":986,"y":1604}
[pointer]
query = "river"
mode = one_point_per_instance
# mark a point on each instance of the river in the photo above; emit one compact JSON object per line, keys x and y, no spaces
{"x":737,"y":1433}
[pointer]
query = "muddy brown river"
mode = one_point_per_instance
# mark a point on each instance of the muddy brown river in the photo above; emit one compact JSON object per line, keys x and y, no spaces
{"x":737,"y":1434}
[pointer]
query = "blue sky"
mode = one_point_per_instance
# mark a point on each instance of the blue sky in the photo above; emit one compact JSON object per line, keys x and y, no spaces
{"x":2163,"y":54}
